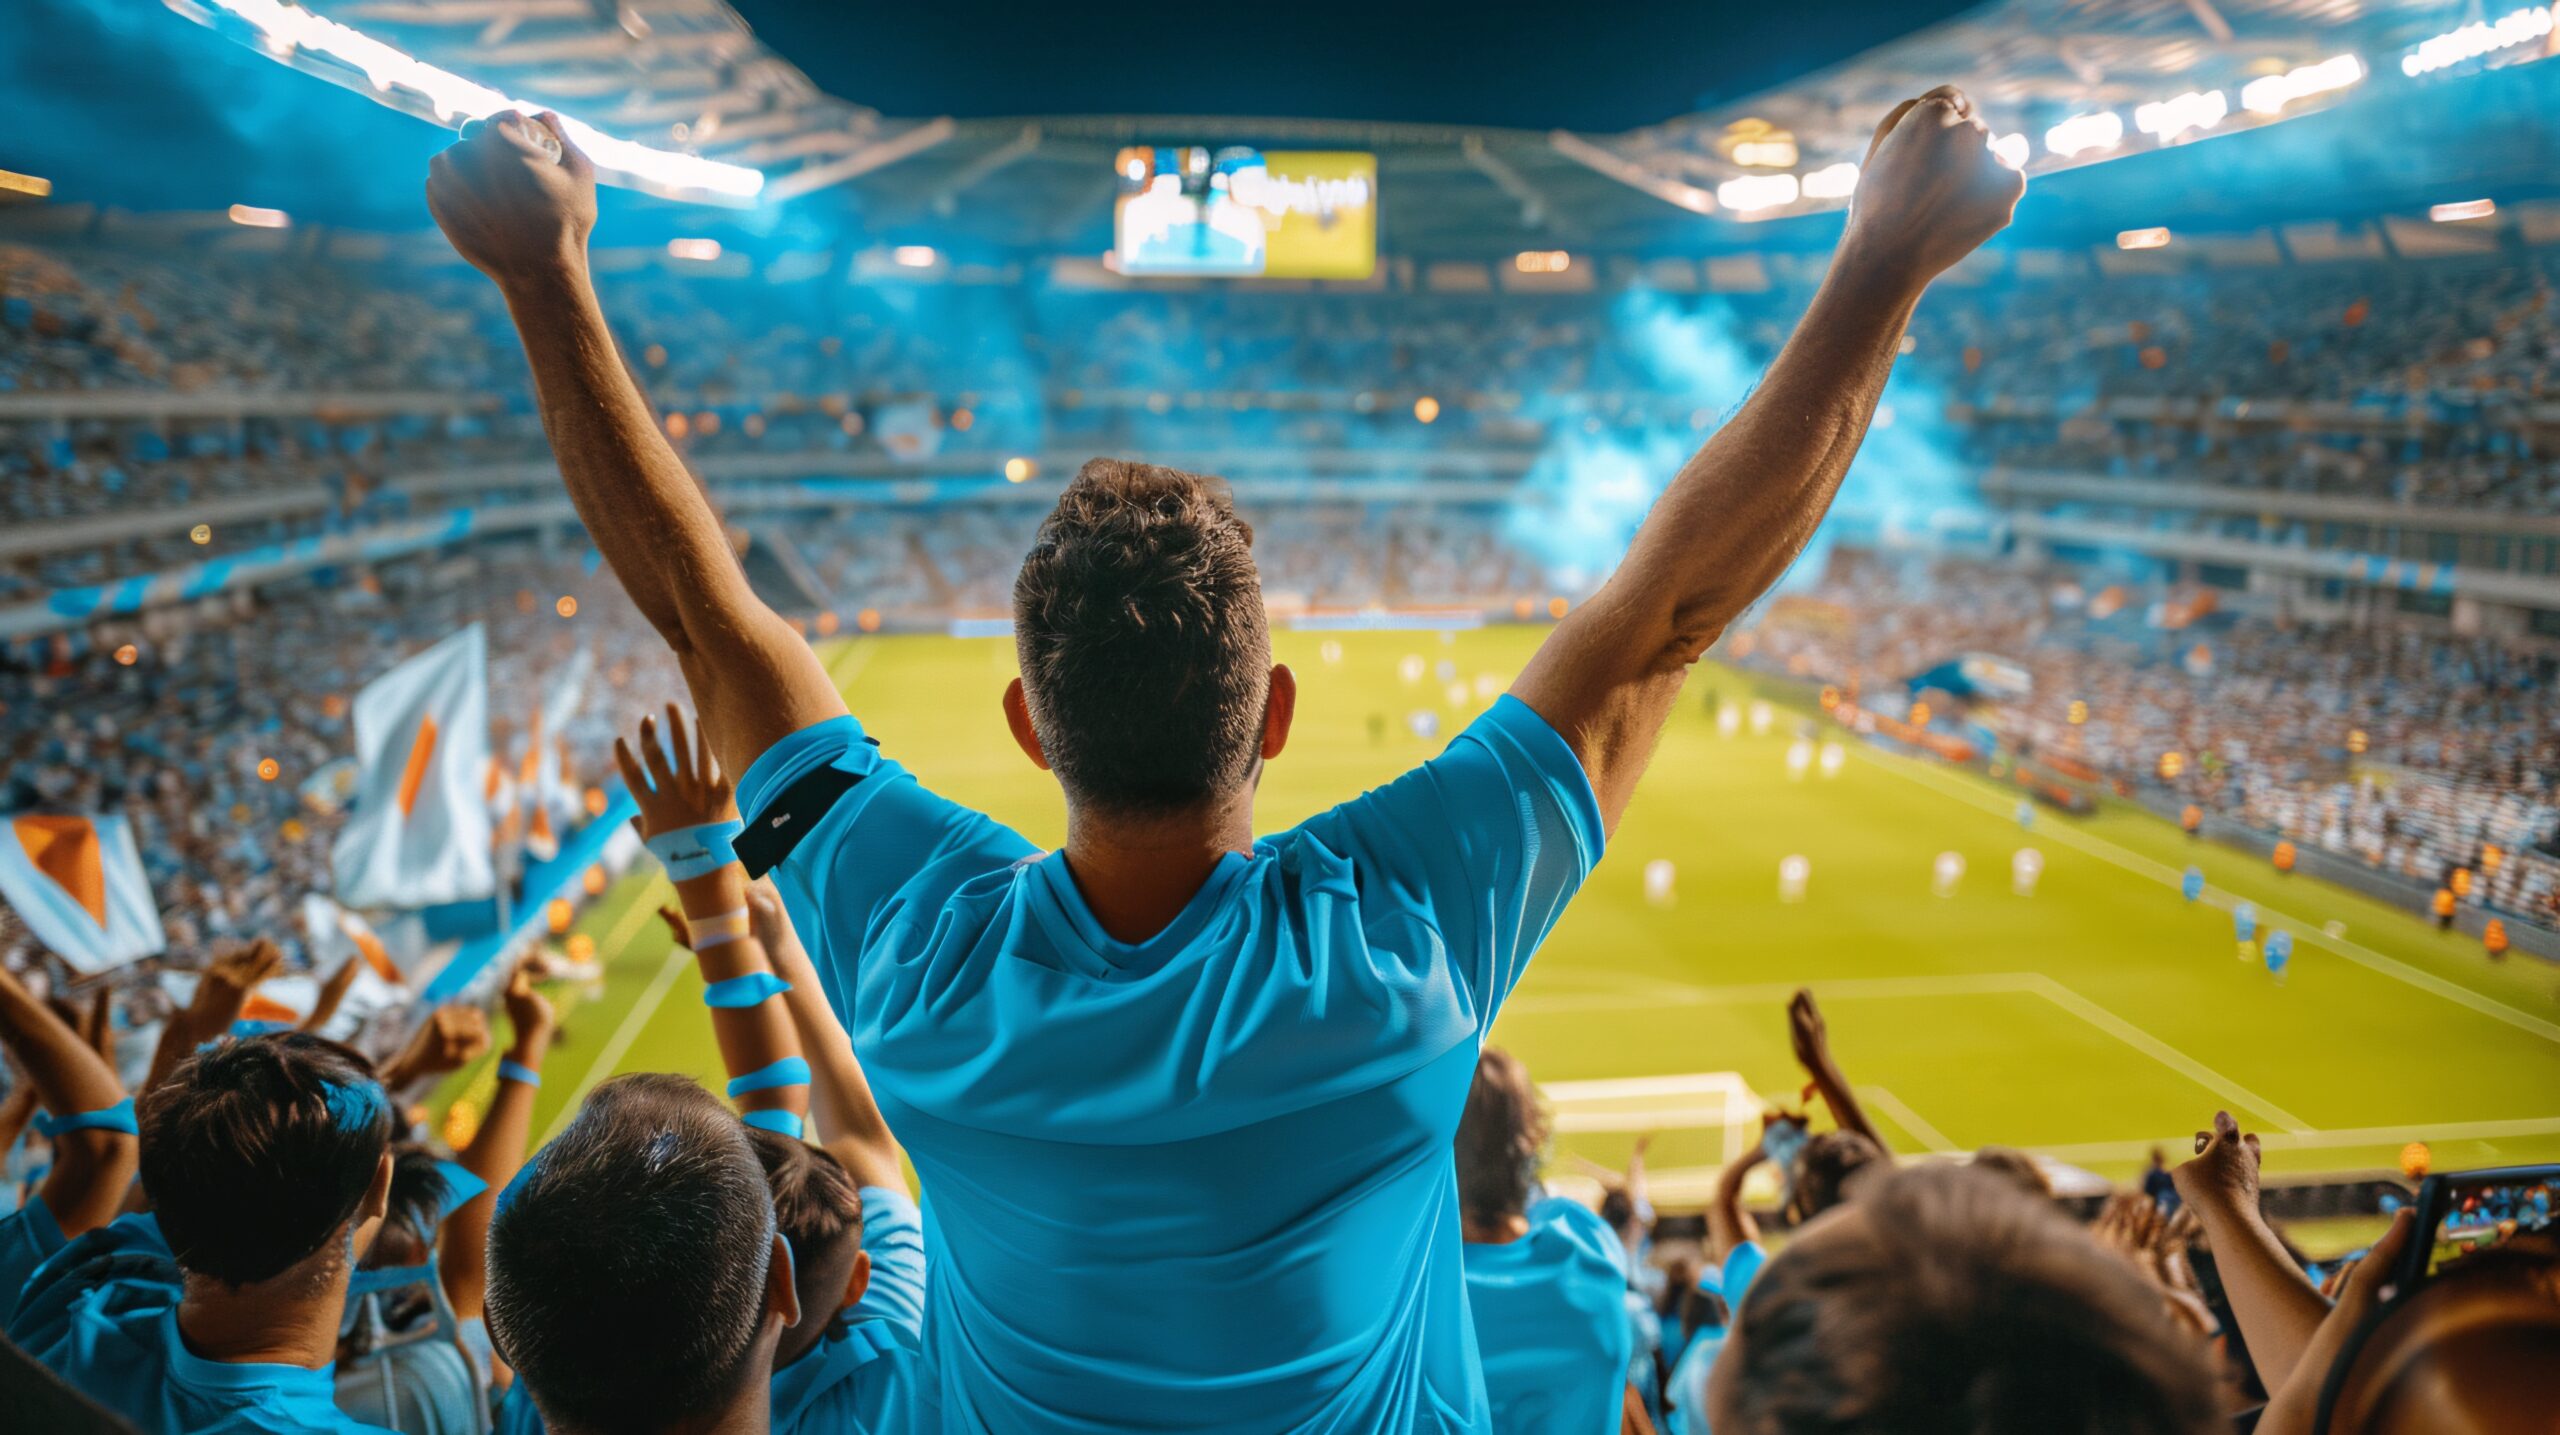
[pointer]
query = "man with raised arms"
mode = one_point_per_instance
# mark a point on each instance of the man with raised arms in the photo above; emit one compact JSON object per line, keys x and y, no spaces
{"x":1181,"y":1098}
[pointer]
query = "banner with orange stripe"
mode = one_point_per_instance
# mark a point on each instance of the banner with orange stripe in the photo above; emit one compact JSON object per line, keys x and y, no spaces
{"x":78,"y":884}
{"x":419,"y":833}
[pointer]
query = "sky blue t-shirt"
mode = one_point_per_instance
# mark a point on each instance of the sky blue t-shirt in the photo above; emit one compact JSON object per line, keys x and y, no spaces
{"x":1200,"y":1181}
{"x":120,"y":1346}
{"x":1551,"y":1323}
{"x":1688,"y":1384}
{"x":28,"y":1237}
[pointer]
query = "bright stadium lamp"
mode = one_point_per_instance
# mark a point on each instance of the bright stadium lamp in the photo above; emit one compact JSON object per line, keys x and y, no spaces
{"x":1835,"y":181}
{"x":2165,"y":120}
{"x":2156,"y":238}
{"x":2461,"y":210}
{"x":2270,"y":94}
{"x":352,"y":58}
{"x":2083,"y":134}
{"x":256,"y":218}
{"x":2471,"y":42}
{"x":1753,"y":193}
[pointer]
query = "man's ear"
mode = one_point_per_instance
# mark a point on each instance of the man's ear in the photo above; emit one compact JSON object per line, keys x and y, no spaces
{"x":781,"y":1291}
{"x":858,"y":1281}
{"x":371,"y":1210}
{"x":1279,"y":711}
{"x":1017,"y":715}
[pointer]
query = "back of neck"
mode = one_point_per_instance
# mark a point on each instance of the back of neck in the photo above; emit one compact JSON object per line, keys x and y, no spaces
{"x":1137,"y":874}
{"x":289,"y":1320}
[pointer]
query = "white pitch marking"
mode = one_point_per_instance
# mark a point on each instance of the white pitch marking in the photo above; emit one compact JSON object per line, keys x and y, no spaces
{"x":1911,"y":1121}
{"x":678,"y":961}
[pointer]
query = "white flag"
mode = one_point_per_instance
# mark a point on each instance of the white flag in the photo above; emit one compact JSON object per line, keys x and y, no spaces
{"x":419,"y":836}
{"x":78,"y":884}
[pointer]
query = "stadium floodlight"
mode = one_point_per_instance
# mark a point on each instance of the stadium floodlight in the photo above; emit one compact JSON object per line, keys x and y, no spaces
{"x":1753,"y":193}
{"x":2484,"y":37}
{"x":2010,"y":149}
{"x":2269,"y":94}
{"x":2167,"y":119}
{"x":34,"y":186}
{"x":1542,"y":261}
{"x":1835,"y":181}
{"x":1765,"y":154}
{"x":2156,"y":238}
{"x":2461,"y":210}
{"x":2085,"y":134}
{"x":256,"y":218}
{"x":297,"y":36}
{"x":701,"y":251}
{"x":914,"y":256}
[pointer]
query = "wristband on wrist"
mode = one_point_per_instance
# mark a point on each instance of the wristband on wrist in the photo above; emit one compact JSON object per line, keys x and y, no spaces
{"x":787,"y":1123}
{"x":519,"y":1073}
{"x":790,"y":1071}
{"x":697,"y":851}
{"x":118,"y":1117}
{"x":717,"y":930}
{"x":750,"y":990}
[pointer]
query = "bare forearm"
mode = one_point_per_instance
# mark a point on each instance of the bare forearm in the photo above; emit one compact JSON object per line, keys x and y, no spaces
{"x":753,"y":679}
{"x":1724,"y":530}
{"x":495,"y":1154}
{"x":1843,"y":1101}
{"x":1728,"y":1225}
{"x":847,"y":1117}
{"x":2277,"y":1307}
{"x":67,"y":1073}
{"x":751,"y":1038}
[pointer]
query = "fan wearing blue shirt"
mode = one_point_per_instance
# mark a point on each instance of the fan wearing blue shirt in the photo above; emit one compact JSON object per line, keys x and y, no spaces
{"x":1545,"y":1277}
{"x":1183,"y":1097}
{"x":267,"y":1162}
{"x":84,"y":1113}
{"x":637,"y":1279}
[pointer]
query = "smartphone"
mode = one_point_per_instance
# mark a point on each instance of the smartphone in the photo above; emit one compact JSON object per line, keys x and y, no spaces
{"x":2466,"y":1211}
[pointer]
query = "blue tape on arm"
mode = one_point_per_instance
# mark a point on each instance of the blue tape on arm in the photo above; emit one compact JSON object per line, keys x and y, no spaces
{"x":118,"y":1117}
{"x":519,"y":1073}
{"x":790,"y":1071}
{"x":744,"y":991}
{"x":690,"y":852}
{"x":461,"y":1186}
{"x":787,"y":1123}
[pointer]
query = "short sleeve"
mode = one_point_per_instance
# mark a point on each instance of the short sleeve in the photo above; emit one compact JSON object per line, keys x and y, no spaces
{"x":849,"y":834}
{"x":1486,"y":842}
{"x":893,"y":1234}
{"x":28,"y":1238}
{"x":1740,"y":1268}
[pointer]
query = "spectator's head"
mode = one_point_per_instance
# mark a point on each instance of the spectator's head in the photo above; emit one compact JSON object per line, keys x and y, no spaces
{"x":1944,"y":1299}
{"x":1703,"y":1309}
{"x":1827,"y":1167}
{"x":2014,"y":1165}
{"x":1618,"y":1207}
{"x":266,"y":1157}
{"x":1147,"y":683}
{"x":636,"y":1278}
{"x":817,"y":1205}
{"x":1501,"y":1137}
{"x":2468,"y":1353}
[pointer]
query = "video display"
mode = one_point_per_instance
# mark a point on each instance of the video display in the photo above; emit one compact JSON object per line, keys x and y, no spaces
{"x":1239,"y":212}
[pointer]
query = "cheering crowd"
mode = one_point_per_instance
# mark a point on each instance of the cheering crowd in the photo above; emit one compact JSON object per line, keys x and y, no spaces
{"x":1206,"y":1133}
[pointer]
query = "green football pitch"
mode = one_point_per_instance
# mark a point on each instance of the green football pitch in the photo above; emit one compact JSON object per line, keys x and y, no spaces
{"x":2087,"y":1021}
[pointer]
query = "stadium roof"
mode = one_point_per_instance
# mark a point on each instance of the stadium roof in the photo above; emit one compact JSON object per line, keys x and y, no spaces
{"x":698,"y":93}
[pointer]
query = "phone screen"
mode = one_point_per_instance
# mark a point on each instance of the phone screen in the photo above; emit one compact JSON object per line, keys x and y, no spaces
{"x":2475,"y":1210}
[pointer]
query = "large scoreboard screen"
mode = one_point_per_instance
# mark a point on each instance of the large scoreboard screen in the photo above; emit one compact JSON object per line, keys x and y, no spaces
{"x":1308,"y":214}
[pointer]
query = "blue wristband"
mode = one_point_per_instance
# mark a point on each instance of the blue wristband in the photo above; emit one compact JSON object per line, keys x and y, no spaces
{"x":518,"y":1072}
{"x":746,"y":991}
{"x":790,"y":1071}
{"x":787,"y":1123}
{"x":690,"y":852}
{"x":118,"y":1117}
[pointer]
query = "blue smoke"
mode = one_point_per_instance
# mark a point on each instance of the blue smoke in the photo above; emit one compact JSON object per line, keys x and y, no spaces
{"x":1599,"y":474}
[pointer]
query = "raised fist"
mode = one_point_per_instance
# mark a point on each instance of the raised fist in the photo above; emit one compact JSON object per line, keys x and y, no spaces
{"x":1930,"y":192}
{"x":515,"y":197}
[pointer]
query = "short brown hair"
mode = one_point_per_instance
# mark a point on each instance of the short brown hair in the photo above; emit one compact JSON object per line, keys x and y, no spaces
{"x":817,"y":1205}
{"x":1502,"y":1135}
{"x":1946,"y":1300}
{"x":1145,"y":654}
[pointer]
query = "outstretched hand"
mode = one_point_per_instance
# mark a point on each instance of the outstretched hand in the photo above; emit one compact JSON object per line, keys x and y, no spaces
{"x":509,"y":207}
{"x":2224,"y":1174}
{"x":1931,"y":191}
{"x":686,"y":790}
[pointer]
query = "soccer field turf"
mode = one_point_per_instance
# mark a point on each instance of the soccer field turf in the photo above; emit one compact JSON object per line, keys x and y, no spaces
{"x":2087,"y":1021}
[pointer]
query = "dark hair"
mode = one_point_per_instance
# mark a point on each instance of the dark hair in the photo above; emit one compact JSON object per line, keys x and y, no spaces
{"x":1145,"y":653}
{"x":1618,"y":1207}
{"x":817,"y":1205}
{"x":627,"y":1266}
{"x":1825,"y":1168}
{"x":1703,"y":1309}
{"x":256,"y":1152}
{"x":1946,"y":1300}
{"x":1501,"y":1137}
